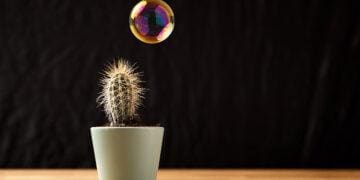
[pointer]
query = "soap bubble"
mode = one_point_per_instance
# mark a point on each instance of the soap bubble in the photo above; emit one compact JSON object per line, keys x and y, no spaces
{"x":151,"y":21}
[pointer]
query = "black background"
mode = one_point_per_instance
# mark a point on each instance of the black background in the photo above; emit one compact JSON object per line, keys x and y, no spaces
{"x":239,"y":83}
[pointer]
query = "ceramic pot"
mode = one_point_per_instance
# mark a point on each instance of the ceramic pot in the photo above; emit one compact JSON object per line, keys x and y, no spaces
{"x":127,"y":153}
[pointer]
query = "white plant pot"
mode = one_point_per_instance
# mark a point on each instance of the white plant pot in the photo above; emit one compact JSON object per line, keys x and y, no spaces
{"x":127,"y":153}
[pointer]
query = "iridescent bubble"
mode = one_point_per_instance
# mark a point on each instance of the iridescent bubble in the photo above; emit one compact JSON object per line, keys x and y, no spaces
{"x":152,"y":21}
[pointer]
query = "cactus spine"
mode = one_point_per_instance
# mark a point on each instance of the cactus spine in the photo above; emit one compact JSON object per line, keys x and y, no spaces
{"x":121,"y":93}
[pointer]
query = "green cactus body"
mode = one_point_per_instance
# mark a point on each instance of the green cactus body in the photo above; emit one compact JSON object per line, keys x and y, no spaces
{"x":121,"y":93}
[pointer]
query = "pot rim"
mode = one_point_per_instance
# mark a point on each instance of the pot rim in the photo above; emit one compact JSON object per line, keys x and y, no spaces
{"x":127,"y":127}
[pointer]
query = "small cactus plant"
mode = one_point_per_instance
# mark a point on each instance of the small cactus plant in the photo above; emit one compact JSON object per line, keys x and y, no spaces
{"x":121,"y":94}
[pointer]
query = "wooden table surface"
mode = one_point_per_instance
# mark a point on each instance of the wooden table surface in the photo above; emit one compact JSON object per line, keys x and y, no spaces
{"x":186,"y":174}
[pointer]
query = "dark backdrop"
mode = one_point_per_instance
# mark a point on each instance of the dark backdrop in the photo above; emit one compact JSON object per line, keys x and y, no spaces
{"x":239,"y":83}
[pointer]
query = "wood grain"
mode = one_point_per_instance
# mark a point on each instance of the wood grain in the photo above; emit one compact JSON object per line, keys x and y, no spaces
{"x":186,"y":174}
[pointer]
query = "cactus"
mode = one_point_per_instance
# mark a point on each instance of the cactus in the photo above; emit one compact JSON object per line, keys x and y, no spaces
{"x":121,"y":93}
